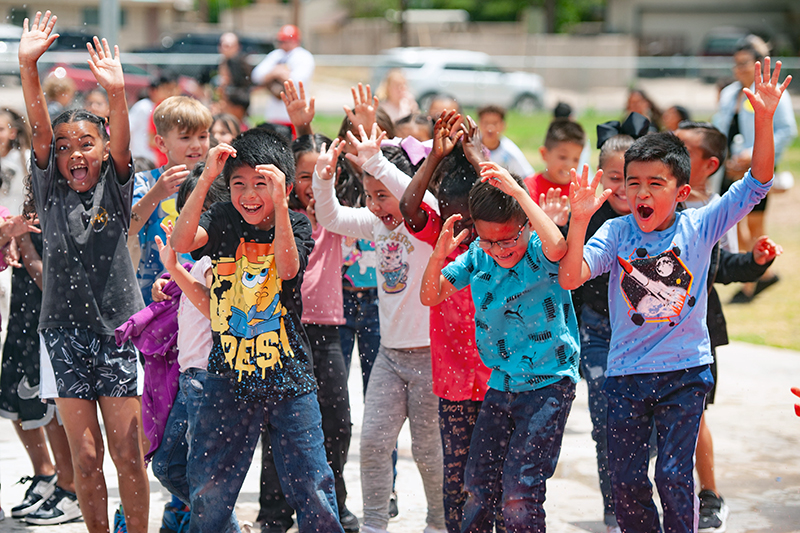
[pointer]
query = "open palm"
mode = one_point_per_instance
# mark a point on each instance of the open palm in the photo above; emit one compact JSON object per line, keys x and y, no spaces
{"x":107,"y":68}
{"x":583,"y":194}
{"x":767,"y":90}
{"x":37,"y":38}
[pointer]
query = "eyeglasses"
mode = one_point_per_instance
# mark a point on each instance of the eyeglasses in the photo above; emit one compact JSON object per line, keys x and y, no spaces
{"x":503,"y":245}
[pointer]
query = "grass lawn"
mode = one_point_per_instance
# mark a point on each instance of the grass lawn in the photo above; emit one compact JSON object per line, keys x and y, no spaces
{"x":774,"y":317}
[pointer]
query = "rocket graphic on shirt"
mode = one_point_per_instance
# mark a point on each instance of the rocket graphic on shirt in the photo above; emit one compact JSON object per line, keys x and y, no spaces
{"x":656,"y":288}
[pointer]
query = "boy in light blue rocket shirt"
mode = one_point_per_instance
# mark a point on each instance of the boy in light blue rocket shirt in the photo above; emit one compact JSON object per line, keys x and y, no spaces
{"x":658,"y":365}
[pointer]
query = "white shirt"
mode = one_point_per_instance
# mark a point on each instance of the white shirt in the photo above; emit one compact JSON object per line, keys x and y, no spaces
{"x":139,"y":119}
{"x":509,"y":156}
{"x":301,"y":65}
{"x":194,"y":329}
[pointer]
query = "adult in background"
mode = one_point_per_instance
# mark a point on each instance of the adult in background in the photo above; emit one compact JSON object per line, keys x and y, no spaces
{"x":288,"y":61}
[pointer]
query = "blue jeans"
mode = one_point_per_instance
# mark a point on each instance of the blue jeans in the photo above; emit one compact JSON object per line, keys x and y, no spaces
{"x":515,"y":444}
{"x":169,"y":461}
{"x":222,"y":449}
{"x":595,"y":333}
{"x":361,"y":319}
{"x":673,"y":402}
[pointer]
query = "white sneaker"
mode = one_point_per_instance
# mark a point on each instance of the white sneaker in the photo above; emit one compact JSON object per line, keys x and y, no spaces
{"x":42,"y":487}
{"x":613,"y":529}
{"x":59,"y":508}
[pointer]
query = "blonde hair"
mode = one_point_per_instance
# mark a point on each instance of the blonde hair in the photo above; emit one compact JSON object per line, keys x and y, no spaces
{"x":183,"y":113}
{"x":53,"y":87}
{"x":393,"y":75}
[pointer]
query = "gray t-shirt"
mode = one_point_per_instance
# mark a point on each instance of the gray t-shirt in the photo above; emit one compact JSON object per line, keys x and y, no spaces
{"x":89,"y":280}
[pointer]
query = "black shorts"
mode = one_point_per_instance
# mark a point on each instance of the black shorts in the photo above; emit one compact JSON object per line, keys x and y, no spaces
{"x":86,"y":365}
{"x":713,"y":391}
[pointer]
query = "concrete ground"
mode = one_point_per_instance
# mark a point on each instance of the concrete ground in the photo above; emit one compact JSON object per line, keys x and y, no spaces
{"x":757,"y":446}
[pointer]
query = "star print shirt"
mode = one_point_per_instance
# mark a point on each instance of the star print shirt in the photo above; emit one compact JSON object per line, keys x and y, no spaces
{"x":88,"y":278}
{"x":525,"y":326}
{"x":657,"y":289}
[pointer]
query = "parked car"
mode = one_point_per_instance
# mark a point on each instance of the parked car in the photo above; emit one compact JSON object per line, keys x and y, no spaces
{"x":9,"y":46}
{"x":470,"y":77}
{"x":137,"y":78}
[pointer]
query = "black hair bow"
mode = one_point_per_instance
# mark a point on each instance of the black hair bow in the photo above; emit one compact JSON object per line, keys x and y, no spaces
{"x":635,"y":125}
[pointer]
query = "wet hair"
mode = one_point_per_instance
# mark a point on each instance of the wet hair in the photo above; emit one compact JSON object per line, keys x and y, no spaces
{"x":490,"y":204}
{"x":714,"y":143}
{"x":278,"y":129}
{"x":455,"y":176}
{"x":228,"y":121}
{"x":218,"y":192}
{"x":562,"y":130}
{"x":306,"y":144}
{"x":81,"y":115}
{"x":665,"y":147}
{"x":182,"y":113}
{"x":259,"y":146}
{"x":753,"y":45}
{"x":491,"y":108}
{"x":614,"y":145}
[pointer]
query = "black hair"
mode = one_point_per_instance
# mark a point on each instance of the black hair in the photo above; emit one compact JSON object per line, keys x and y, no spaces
{"x":398,"y":157}
{"x":490,"y":204}
{"x":442,"y":97}
{"x":238,"y":97}
{"x":259,"y":146}
{"x":230,"y":122}
{"x":682,"y":112}
{"x":753,"y":45}
{"x":382,"y":118}
{"x":417,"y":120}
{"x":563,"y":130}
{"x":349,"y":185}
{"x":614,"y":145}
{"x":80,"y":115}
{"x":165,"y":77}
{"x":665,"y":147}
{"x":562,"y":110}
{"x":714,"y":143}
{"x":218,"y":192}
{"x":306,"y":144}
{"x":455,"y":176}
{"x":491,"y":108}
{"x":280,"y":129}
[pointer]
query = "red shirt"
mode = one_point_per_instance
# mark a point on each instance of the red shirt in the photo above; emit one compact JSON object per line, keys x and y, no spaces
{"x":458,"y":373}
{"x":538,"y":184}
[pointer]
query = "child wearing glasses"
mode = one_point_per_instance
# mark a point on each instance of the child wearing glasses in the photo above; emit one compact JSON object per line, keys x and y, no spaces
{"x":526,"y":333}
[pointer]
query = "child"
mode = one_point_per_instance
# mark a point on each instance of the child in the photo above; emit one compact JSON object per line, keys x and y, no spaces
{"x":562,"y":149}
{"x":401,"y":382}
{"x":658,"y":366}
{"x":502,"y":150}
{"x":96,"y":101}
{"x":182,"y":125}
{"x":141,"y":115}
{"x":225,"y":128}
{"x":82,"y":184}
{"x":526,"y":332}
{"x":259,"y":370}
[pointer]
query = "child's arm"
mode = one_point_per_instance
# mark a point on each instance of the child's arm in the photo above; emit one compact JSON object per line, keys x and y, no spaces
{"x":32,"y":44}
{"x":287,"y":260}
{"x":31,"y":259}
{"x":573,"y":270}
{"x":196,"y":292}
{"x":300,"y":113}
{"x":764,"y":100}
{"x":168,"y":183}
{"x":443,"y":143}
{"x":553,"y":244}
{"x":364,"y":109}
{"x":107,"y":70}
{"x":188,"y":235}
{"x":472,"y":143}
{"x":435,"y":288}
{"x":749,"y":266}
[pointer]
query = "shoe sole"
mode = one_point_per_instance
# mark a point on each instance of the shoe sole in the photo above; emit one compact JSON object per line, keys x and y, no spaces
{"x":53,"y":521}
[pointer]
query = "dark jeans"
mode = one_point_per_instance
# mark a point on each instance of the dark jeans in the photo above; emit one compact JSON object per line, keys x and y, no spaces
{"x":334,"y":405}
{"x":361,"y":316}
{"x":515,"y":445}
{"x":595,"y":333}
{"x":222,"y":448}
{"x":673,"y":402}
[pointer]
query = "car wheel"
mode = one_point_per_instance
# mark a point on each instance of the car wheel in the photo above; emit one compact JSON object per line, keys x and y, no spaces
{"x":528,"y":103}
{"x":425,"y":100}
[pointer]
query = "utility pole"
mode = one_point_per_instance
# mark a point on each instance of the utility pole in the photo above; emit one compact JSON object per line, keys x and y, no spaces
{"x":403,"y":28}
{"x":109,"y":21}
{"x":296,"y":12}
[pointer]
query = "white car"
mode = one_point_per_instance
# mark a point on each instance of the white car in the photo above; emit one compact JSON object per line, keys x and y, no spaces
{"x":470,"y":77}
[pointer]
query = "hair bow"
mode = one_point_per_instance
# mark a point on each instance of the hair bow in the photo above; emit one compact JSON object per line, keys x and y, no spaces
{"x":635,"y":125}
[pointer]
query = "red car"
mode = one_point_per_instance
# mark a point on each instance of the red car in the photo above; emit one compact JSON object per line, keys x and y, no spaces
{"x":137,"y":78}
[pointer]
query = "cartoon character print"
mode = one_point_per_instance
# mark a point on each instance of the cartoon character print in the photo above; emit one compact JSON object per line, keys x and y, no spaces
{"x":354,"y":254}
{"x":393,"y":268}
{"x":247,"y":312}
{"x":656,"y":288}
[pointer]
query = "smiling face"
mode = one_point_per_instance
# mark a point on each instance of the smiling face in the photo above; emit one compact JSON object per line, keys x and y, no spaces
{"x":382,"y":203}
{"x":560,"y":159}
{"x":492,"y":127}
{"x":653,"y":193}
{"x":250,"y":195}
{"x":221,"y":132}
{"x":304,"y":170}
{"x":80,"y":152}
{"x":614,"y":179}
{"x":505,"y":231}
{"x":184,"y":147}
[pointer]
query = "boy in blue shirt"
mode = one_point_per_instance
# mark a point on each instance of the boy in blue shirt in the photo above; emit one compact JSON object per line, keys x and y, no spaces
{"x":658,"y":365}
{"x":526,"y":333}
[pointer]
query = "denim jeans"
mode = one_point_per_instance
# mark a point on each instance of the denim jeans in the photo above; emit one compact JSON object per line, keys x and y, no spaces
{"x":361,"y":319}
{"x":673,"y":402}
{"x":515,"y":445}
{"x":222,"y":449}
{"x":595,"y":330}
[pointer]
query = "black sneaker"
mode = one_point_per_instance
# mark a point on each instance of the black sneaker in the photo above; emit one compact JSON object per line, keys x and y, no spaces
{"x":393,"y":510}
{"x":60,"y":507}
{"x":713,"y":512}
{"x":349,"y":521}
{"x":42,"y":487}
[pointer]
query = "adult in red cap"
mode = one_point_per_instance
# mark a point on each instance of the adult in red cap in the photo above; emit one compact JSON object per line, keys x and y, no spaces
{"x":288,"y":61}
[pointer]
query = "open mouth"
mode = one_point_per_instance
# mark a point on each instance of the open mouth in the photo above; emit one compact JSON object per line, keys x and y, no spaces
{"x":645,"y":211}
{"x":388,"y":220}
{"x":251,"y":208}
{"x":79,"y":172}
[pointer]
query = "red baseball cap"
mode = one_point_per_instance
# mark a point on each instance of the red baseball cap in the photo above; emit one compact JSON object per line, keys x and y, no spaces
{"x":289,"y":33}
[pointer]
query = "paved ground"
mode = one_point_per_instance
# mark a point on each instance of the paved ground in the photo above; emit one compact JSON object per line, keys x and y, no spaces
{"x":756,"y":433}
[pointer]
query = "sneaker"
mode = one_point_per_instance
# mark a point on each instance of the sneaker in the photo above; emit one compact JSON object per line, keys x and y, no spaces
{"x":613,"y":529}
{"x":175,"y":520}
{"x":393,"y":510}
{"x":60,"y":507}
{"x":713,"y":512}
{"x":348,"y":520}
{"x":119,"y":521}
{"x":431,"y":529}
{"x":42,"y":487}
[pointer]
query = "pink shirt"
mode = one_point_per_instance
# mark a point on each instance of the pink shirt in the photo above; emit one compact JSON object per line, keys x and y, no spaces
{"x":322,"y":282}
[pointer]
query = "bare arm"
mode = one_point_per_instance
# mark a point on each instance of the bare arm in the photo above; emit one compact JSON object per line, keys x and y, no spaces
{"x":435,"y":288}
{"x":168,"y":183}
{"x":287,"y":260}
{"x":196,"y":292}
{"x":300,"y":113}
{"x":31,"y":259}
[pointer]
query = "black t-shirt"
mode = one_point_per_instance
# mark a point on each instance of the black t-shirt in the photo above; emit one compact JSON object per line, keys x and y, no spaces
{"x":255,"y":316}
{"x":88,"y":277}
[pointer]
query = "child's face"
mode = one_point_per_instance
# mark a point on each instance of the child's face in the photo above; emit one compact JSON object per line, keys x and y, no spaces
{"x":7,"y":133}
{"x":702,"y":166}
{"x":304,"y":170}
{"x":80,"y":152}
{"x":671,"y":118}
{"x":221,"y":132}
{"x":459,"y":206}
{"x":560,"y":159}
{"x":506,"y":233}
{"x":97,"y":104}
{"x":492,"y":127}
{"x":381,"y":202}
{"x":614,"y":179}
{"x":184,"y":147}
{"x":653,"y":193}
{"x":251,"y":198}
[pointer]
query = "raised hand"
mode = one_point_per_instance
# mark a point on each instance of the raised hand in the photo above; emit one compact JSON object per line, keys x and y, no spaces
{"x":276,"y":183}
{"x":215,"y":161}
{"x":448,"y":241}
{"x":301,"y":112}
{"x":328,"y":158}
{"x":583,"y":194}
{"x":170,"y":181}
{"x":105,"y":66}
{"x":364,"y":107}
{"x":17,"y":225}
{"x":311,"y":213}
{"x":168,"y":256}
{"x":768,"y":90}
{"x":472,"y":143}
{"x":555,"y":206}
{"x":765,"y":250}
{"x":368,"y":146}
{"x":500,"y":178}
{"x":446,"y":133}
{"x":37,"y":38}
